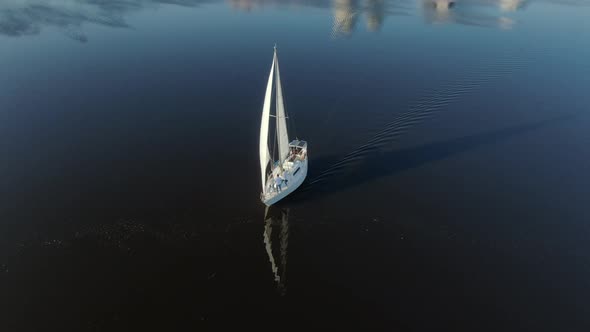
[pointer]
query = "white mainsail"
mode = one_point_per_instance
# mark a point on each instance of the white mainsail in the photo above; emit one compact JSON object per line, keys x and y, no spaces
{"x":282,"y":134}
{"x":264,"y":151}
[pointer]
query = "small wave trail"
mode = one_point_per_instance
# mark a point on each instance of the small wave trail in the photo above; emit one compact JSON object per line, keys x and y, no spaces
{"x":421,"y":110}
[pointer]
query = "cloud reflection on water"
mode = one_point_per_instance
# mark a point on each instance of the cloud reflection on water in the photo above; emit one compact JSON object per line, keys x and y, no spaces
{"x":472,"y":13}
{"x":29,"y":17}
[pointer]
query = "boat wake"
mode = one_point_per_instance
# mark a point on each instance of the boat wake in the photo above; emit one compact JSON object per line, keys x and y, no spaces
{"x":421,"y":110}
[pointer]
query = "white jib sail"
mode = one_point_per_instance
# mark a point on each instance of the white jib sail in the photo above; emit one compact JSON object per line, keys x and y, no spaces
{"x":282,"y":134}
{"x":264,"y":151}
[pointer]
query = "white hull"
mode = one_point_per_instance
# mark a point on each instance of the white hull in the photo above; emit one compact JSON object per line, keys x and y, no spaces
{"x":295,"y":181}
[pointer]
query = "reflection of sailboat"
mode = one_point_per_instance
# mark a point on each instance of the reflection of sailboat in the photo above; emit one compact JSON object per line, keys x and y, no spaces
{"x":289,"y":170}
{"x":278,"y":264}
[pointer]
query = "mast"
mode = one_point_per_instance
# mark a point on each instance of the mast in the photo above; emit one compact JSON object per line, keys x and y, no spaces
{"x":281,"y":116}
{"x":264,"y":123}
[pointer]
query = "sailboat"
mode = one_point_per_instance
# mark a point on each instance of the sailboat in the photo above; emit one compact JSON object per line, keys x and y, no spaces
{"x":284,"y":171}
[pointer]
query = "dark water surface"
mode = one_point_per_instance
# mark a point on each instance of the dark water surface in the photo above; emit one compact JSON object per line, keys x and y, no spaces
{"x":448,"y":187}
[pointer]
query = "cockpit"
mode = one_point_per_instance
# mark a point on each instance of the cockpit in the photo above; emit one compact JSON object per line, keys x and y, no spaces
{"x":297,"y":150}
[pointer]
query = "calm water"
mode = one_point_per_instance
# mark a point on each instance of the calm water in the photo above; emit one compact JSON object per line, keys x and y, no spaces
{"x":448,"y":186}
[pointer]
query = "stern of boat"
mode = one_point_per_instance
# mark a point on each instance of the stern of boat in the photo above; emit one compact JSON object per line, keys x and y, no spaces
{"x":294,"y":168}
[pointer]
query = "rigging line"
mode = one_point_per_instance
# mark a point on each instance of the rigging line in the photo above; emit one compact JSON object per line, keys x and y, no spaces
{"x":291,"y":123}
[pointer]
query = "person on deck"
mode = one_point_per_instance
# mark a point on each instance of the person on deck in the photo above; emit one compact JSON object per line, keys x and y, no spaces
{"x":278,"y":182}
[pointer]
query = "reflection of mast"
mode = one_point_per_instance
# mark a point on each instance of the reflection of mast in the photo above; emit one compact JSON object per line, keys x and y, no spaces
{"x":279,"y":269}
{"x":345,"y":15}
